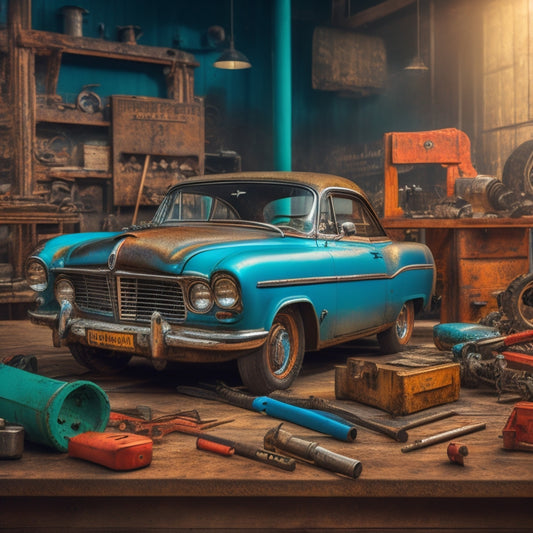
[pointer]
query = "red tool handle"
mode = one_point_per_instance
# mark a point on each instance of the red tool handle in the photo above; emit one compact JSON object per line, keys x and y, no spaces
{"x":517,"y":338}
{"x":519,"y":361}
{"x":216,"y":447}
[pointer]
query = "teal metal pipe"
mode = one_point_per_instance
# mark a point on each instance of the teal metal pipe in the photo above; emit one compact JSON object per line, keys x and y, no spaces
{"x":51,"y":411}
{"x":282,"y":86}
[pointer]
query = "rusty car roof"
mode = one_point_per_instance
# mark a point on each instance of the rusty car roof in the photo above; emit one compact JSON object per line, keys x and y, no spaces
{"x":316,"y":180}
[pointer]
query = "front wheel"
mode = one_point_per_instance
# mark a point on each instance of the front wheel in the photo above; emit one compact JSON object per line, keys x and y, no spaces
{"x":278,"y":362}
{"x":395,"y":338}
{"x":98,"y":359}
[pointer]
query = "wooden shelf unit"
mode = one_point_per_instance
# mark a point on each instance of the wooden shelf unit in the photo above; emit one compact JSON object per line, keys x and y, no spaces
{"x":32,"y":61}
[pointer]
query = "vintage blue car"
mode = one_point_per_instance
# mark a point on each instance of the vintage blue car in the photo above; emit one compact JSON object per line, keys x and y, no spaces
{"x":258,"y":266}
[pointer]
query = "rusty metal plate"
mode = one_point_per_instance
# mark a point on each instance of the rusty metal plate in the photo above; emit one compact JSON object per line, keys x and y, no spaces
{"x":348,"y":61}
{"x":107,"y":339}
{"x":171,"y":133}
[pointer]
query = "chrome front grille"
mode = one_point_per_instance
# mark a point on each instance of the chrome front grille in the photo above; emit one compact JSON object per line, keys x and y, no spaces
{"x":138,"y":298}
{"x":94,"y":294}
{"x":129,"y":298}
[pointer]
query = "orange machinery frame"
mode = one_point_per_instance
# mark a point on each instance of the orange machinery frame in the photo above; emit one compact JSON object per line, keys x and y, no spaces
{"x":449,"y":147}
{"x":475,"y":257}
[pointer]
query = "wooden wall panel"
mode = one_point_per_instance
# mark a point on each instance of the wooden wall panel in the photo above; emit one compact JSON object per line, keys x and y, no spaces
{"x":507,"y":108}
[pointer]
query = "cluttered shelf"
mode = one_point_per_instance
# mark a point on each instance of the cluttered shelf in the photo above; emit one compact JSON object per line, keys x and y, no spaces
{"x":190,"y":488}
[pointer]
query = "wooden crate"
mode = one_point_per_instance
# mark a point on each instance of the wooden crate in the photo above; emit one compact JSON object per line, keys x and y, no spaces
{"x":397,"y":389}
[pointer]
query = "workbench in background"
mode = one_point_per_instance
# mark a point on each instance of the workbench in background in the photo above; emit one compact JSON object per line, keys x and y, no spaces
{"x":185,"y":488}
{"x":476,"y":258}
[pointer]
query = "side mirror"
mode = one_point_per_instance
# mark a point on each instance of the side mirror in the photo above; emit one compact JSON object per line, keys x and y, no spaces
{"x":348,"y":229}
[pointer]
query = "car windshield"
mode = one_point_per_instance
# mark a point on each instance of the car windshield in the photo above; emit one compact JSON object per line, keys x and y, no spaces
{"x":280,"y":204}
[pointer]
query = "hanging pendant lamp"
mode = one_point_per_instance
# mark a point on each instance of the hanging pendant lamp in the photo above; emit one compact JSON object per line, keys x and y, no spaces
{"x":232,"y":59}
{"x":417,"y":63}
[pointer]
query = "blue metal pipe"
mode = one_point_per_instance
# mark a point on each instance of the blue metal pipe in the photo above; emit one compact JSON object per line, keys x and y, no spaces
{"x":308,"y":418}
{"x":282,"y":86}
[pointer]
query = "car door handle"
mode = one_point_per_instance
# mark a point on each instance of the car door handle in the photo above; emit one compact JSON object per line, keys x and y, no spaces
{"x":377,"y":255}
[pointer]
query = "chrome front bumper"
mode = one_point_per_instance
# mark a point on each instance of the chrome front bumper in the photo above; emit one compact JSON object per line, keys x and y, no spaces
{"x":159,"y":340}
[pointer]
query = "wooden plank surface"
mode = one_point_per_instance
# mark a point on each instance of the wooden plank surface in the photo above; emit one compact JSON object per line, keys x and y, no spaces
{"x":420,"y":487}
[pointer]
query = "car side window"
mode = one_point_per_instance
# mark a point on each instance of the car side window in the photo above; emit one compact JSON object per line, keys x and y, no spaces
{"x":326,"y":219}
{"x":339,"y":209}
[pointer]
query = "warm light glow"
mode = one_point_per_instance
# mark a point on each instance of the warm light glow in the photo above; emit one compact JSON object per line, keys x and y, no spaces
{"x":232,"y":59}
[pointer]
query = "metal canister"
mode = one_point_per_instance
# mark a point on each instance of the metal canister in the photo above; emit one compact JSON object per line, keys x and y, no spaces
{"x":129,"y":34}
{"x":73,"y":20}
{"x":11,"y":440}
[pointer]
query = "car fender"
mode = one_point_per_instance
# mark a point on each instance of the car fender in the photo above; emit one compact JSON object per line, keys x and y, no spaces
{"x":261,"y":303}
{"x":411,"y":268}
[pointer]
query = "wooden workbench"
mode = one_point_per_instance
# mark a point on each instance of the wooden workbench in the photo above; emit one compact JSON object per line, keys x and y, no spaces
{"x":188,"y":489}
{"x":476,"y":258}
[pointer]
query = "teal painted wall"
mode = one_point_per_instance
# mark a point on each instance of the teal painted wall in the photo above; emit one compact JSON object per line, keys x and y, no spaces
{"x":326,"y":127}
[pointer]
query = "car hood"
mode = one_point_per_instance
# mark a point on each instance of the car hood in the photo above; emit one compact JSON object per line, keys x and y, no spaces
{"x":164,"y":249}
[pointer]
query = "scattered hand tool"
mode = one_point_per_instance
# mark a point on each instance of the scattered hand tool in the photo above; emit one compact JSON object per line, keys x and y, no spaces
{"x":315,"y":420}
{"x":518,"y":431}
{"x":251,"y":452}
{"x":492,"y":346}
{"x":24,"y":362}
{"x":457,"y":452}
{"x":397,"y":433}
{"x":495,"y":344}
{"x":118,"y":451}
{"x":280,"y":440}
{"x":423,"y":420}
{"x":185,"y":422}
{"x":441,"y":437}
{"x":140,"y":411}
{"x":215,"y":447}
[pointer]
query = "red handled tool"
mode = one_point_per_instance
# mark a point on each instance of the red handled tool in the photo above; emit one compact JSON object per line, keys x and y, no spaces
{"x":216,"y":447}
{"x":118,"y":451}
{"x":515,"y":360}
{"x":250,"y":451}
{"x":185,"y":422}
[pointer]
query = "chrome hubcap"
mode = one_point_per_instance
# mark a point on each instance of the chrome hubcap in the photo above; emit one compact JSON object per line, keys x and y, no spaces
{"x":402,"y":325}
{"x":280,"y":349}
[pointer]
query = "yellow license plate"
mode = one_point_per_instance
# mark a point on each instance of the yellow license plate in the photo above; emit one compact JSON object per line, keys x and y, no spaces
{"x":108,"y":339}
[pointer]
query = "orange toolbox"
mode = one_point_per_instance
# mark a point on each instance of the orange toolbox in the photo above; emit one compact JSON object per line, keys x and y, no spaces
{"x":397,"y":389}
{"x":118,"y":451}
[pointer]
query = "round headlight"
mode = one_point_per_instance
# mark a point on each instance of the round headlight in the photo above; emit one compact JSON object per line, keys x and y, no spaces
{"x":64,"y":290}
{"x":226,"y":293}
{"x":200,"y":297}
{"x":36,"y":274}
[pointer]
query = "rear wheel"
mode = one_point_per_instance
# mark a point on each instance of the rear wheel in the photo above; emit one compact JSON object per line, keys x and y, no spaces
{"x":278,"y":362}
{"x":98,"y":359}
{"x":395,"y":338}
{"x":516,"y":302}
{"x":518,"y":169}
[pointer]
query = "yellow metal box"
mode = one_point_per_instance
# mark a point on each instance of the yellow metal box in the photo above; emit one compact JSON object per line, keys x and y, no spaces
{"x":397,"y":389}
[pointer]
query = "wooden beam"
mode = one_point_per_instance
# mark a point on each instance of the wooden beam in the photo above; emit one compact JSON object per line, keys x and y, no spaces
{"x":43,"y":42}
{"x":372,"y":14}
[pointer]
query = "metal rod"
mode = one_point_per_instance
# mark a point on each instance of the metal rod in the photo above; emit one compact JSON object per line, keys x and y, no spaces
{"x":141,"y":187}
{"x":441,"y":437}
